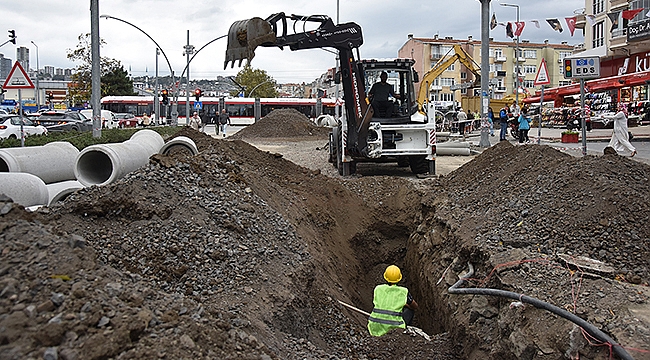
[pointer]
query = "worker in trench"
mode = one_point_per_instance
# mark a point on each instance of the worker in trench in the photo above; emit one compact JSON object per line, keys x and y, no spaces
{"x":394,"y":305}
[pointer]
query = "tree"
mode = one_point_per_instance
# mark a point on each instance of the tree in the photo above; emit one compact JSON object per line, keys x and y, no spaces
{"x":256,"y":83}
{"x":114,"y":79}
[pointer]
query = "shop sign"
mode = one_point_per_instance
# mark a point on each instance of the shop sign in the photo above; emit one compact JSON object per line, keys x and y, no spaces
{"x":638,"y":31}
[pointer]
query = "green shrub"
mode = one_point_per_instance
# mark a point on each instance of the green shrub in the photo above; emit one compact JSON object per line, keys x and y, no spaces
{"x":85,"y":139}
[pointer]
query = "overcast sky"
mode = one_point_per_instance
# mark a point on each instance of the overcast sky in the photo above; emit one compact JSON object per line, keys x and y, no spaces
{"x":54,"y":25}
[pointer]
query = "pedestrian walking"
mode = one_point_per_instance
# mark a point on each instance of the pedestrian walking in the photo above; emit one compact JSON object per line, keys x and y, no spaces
{"x":621,"y":137}
{"x":490,"y":116}
{"x":524,"y":125}
{"x":462,"y":119}
{"x":195,"y":121}
{"x":224,"y":121}
{"x":503,"y":122}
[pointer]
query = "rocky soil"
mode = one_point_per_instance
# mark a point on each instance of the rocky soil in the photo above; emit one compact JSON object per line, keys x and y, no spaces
{"x":240,"y":253}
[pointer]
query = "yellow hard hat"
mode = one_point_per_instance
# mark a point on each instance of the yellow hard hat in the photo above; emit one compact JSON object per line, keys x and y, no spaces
{"x":392,"y":274}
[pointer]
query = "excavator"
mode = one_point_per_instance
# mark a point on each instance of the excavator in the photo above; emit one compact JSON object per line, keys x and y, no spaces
{"x":364,"y":134}
{"x":436,"y":70}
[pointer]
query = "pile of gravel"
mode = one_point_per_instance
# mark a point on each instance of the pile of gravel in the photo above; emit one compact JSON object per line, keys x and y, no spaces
{"x":282,"y":123}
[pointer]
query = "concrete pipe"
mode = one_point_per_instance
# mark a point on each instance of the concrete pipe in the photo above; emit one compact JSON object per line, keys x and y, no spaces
{"x":59,"y":191}
{"x":453,"y":144}
{"x":452,"y":151}
{"x":52,"y":163}
{"x":105,"y":163}
{"x":180,"y":144}
{"x":23,"y":188}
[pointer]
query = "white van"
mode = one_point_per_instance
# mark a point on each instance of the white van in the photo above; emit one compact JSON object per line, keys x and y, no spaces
{"x":108,"y":118}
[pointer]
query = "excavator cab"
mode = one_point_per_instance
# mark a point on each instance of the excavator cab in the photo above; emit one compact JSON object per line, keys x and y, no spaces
{"x":398,"y":108}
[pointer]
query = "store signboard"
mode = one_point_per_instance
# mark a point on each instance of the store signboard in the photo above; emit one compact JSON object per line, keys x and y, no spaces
{"x":582,"y":68}
{"x":638,"y":31}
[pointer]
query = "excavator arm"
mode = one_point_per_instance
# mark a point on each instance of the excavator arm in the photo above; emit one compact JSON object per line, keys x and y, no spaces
{"x":461,"y":56}
{"x":246,"y":35}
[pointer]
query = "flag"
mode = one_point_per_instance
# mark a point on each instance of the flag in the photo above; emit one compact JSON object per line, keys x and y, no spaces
{"x":630,"y":14}
{"x":493,"y":22}
{"x":520,"y":28}
{"x":509,"y":30}
{"x":555,"y":24}
{"x":613,"y":16}
{"x":647,"y":14}
{"x":571,"y":24}
{"x":591,"y":19}
{"x":536,"y":22}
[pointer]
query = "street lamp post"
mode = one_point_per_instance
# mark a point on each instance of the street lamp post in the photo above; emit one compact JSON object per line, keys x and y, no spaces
{"x":516,"y":58}
{"x":189,"y":50}
{"x":38,"y":91}
{"x":174,"y":102}
{"x":156,"y":99}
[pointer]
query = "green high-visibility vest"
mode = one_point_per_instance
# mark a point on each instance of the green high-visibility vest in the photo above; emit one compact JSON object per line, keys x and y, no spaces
{"x":387,"y":314}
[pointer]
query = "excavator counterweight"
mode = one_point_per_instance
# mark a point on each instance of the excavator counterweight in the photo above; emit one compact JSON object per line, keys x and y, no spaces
{"x":244,"y":37}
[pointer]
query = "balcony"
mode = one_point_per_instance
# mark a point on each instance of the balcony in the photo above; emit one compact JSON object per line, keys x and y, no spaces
{"x":436,"y":56}
{"x":521,"y":59}
{"x":500,"y":58}
{"x":618,"y":4}
{"x":435,"y":87}
{"x":500,"y":89}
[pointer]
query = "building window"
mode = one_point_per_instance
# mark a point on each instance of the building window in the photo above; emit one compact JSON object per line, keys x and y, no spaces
{"x":530,"y":69}
{"x":463,"y":75}
{"x":564,"y":82}
{"x":444,"y":81}
{"x":639,"y":4}
{"x":529,"y":83}
{"x":447,"y":97}
{"x":530,"y":54}
{"x":564,"y":54}
{"x":451,"y":67}
{"x":598,"y":35}
{"x":598,"y":6}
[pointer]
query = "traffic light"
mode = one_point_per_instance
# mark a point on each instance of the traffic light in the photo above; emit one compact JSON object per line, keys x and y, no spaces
{"x":165,"y":96}
{"x":197,"y":94}
{"x":50,"y":96}
{"x":12,"y":36}
{"x":568,"y":69}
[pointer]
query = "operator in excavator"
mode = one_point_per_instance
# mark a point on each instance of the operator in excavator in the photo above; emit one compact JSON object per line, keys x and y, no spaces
{"x":379,"y":93}
{"x":394,"y":305}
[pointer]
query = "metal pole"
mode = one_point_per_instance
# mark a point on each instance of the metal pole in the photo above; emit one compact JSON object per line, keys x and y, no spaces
{"x":95,"y":97}
{"x":337,"y":110}
{"x":38,"y":91}
{"x":582,"y":117}
{"x":187,"y":79}
{"x":539,"y":125}
{"x":156,"y":100}
{"x":517,"y":70}
{"x":20,"y":113}
{"x":485,"y":65}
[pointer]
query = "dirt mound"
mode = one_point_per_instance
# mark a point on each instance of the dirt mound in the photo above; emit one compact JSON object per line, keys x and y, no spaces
{"x":282,"y":123}
{"x":239,"y":253}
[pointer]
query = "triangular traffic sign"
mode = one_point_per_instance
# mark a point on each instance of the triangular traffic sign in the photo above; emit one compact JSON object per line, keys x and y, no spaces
{"x":18,"y":79}
{"x":542,"y":75}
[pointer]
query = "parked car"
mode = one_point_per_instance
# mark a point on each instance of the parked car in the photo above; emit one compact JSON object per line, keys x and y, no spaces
{"x":126,"y":120}
{"x":65,"y":121}
{"x":10,"y":127}
{"x":108,"y":118}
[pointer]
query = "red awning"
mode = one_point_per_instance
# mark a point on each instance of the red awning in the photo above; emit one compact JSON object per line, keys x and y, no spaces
{"x":614,"y":82}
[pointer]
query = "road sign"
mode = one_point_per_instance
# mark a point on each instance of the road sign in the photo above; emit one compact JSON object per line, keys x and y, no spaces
{"x":542,"y":75}
{"x":18,"y":78}
{"x":198,"y":105}
{"x":585,"y":68}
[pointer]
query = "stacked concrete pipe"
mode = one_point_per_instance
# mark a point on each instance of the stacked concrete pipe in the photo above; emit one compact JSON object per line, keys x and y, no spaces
{"x":59,"y":191}
{"x":52,"y":163}
{"x":23,"y":188}
{"x":453,"y":148}
{"x":105,"y":163}
{"x":179,"y":144}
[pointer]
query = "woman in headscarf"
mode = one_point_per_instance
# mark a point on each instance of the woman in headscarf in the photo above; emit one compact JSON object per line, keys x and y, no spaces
{"x":620,"y":138}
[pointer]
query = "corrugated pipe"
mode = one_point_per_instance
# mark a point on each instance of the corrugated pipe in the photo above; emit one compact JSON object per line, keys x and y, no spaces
{"x":103,"y":164}
{"x":23,"y":188}
{"x":589,"y":328}
{"x":53,"y":162}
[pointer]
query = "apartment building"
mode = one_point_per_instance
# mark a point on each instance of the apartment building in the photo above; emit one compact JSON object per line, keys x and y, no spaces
{"x":427,"y":52}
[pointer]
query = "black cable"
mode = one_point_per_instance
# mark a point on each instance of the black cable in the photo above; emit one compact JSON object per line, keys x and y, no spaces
{"x":589,"y":328}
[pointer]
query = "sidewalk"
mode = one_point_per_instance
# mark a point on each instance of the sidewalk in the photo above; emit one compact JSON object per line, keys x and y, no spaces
{"x":640,"y":133}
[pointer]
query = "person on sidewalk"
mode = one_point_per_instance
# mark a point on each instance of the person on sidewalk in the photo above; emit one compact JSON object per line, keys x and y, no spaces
{"x":394,"y":306}
{"x":224,"y":121}
{"x":620,"y":141}
{"x":462,"y":121}
{"x":503,"y":121}
{"x":524,"y":126}
{"x":490,"y":117}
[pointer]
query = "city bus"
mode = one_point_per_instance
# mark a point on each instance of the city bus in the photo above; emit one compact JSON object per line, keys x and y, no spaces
{"x":241,"y":110}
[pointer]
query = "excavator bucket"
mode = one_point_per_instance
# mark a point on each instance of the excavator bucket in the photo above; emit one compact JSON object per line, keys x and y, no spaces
{"x":244,"y":37}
